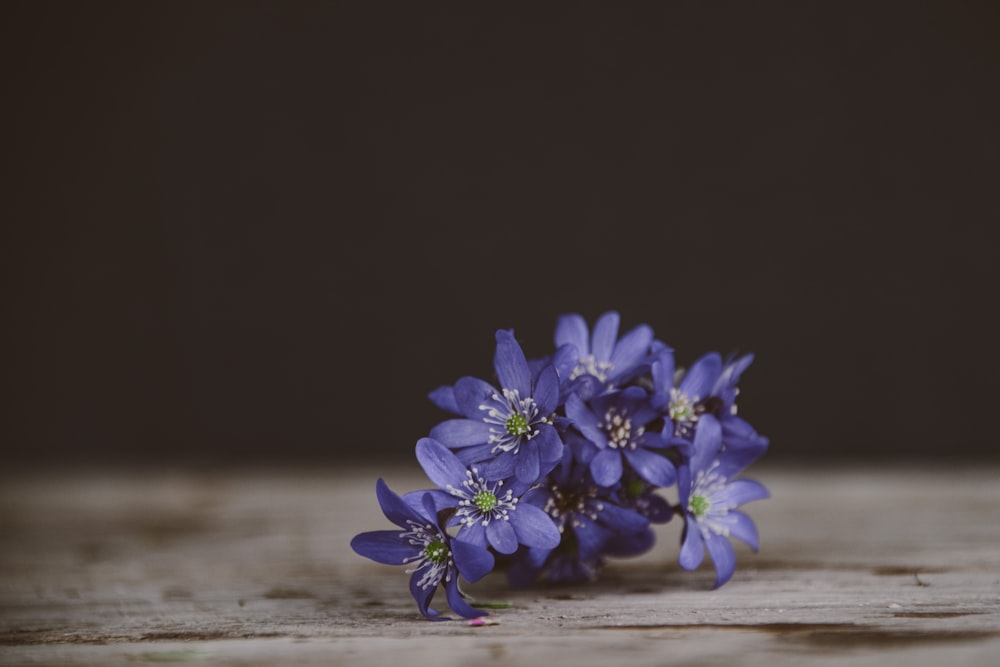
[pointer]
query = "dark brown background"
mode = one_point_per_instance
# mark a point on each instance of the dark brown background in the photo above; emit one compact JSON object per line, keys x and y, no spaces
{"x":262,"y":232}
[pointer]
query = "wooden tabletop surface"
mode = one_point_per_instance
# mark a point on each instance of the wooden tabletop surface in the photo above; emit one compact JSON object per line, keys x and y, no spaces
{"x":857,"y":565}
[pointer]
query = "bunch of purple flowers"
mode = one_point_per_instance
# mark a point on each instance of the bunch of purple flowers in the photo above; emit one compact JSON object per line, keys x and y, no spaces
{"x":556,"y":467}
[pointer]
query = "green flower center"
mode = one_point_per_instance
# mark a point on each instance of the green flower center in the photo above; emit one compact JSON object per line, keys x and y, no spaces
{"x":699,"y":505}
{"x":485,"y":501}
{"x":635,"y":488}
{"x":517,"y":424}
{"x":436,"y":552}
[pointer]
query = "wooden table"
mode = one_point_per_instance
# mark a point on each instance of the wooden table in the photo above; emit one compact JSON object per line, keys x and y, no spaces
{"x":898,"y":566}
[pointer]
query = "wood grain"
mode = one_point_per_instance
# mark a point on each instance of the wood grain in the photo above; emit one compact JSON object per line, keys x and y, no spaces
{"x":251,"y":567}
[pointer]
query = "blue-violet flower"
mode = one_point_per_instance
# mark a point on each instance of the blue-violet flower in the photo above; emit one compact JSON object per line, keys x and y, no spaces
{"x":433,"y":556}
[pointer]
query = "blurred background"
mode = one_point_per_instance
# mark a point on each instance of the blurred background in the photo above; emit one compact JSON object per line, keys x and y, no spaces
{"x":259,"y":233}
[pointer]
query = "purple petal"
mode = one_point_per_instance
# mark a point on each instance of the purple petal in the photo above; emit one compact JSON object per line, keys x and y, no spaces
{"x":534,"y":528}
{"x":663,"y":378}
{"x":385,"y":546}
{"x":474,"y":454}
{"x":683,"y":483}
{"x":565,"y":360}
{"x":527,"y":464}
{"x":444,"y":398}
{"x":632,"y":544}
{"x":602,"y":343}
{"x":456,"y":433}
{"x":632,"y":349}
{"x":458,"y":603}
{"x":500,"y":466}
{"x":501,"y":536}
{"x":723,"y":557}
{"x":393,"y":506}
{"x":474,"y":534}
{"x":658,"y":510}
{"x":423,"y":596}
{"x":572,"y":330}
{"x":441,"y":466}
{"x":707,"y":441}
{"x":622,"y":519}
{"x":652,"y":467}
{"x":440,"y":500}
{"x":700,"y":378}
{"x":590,"y":537}
{"x":730,"y":375}
{"x":585,"y":420}
{"x":693,"y":549}
{"x":741,"y":491}
{"x":550,"y":446}
{"x":546,"y":393}
{"x":585,"y":386}
{"x":473,"y":562}
{"x":741,"y":527}
{"x":606,"y":467}
{"x":583,"y":450}
{"x":470,"y":393}
{"x":510,"y":364}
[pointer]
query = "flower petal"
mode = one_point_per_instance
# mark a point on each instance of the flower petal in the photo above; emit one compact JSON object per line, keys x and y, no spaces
{"x":534,"y":528}
{"x":590,"y":538}
{"x":657,"y":509}
{"x":740,"y":526}
{"x":663,"y":378}
{"x":456,"y":433}
{"x":707,"y":441}
{"x":631,"y":544}
{"x":527,"y":464}
{"x":394,"y":508}
{"x":441,"y":466}
{"x":501,"y":536}
{"x":474,"y":533}
{"x":458,"y":603}
{"x":741,"y":491}
{"x":700,"y":378}
{"x":510,"y":364}
{"x":693,"y":548}
{"x":622,"y":519}
{"x":440,"y":500}
{"x":473,"y":562}
{"x":602,"y":343}
{"x":565,"y":360}
{"x":546,"y":392}
{"x":683,"y":483}
{"x":630,"y":352}
{"x":444,"y":398}
{"x":500,"y":466}
{"x":606,"y":467}
{"x":384,"y":546}
{"x":653,"y":468}
{"x":585,"y":420}
{"x":572,"y":330}
{"x":423,"y":596}
{"x":470,"y":393}
{"x":550,"y":446}
{"x":723,"y":557}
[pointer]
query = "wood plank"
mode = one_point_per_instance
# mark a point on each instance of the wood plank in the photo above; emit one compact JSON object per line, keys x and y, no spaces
{"x":255,"y":568}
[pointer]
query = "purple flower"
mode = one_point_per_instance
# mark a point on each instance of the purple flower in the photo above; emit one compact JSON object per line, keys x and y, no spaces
{"x":709,"y":497}
{"x":708,"y":387}
{"x":488,"y":510}
{"x":592,"y":522}
{"x":433,"y":556}
{"x":617,"y":424}
{"x":602,"y":360}
{"x":507,"y":430}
